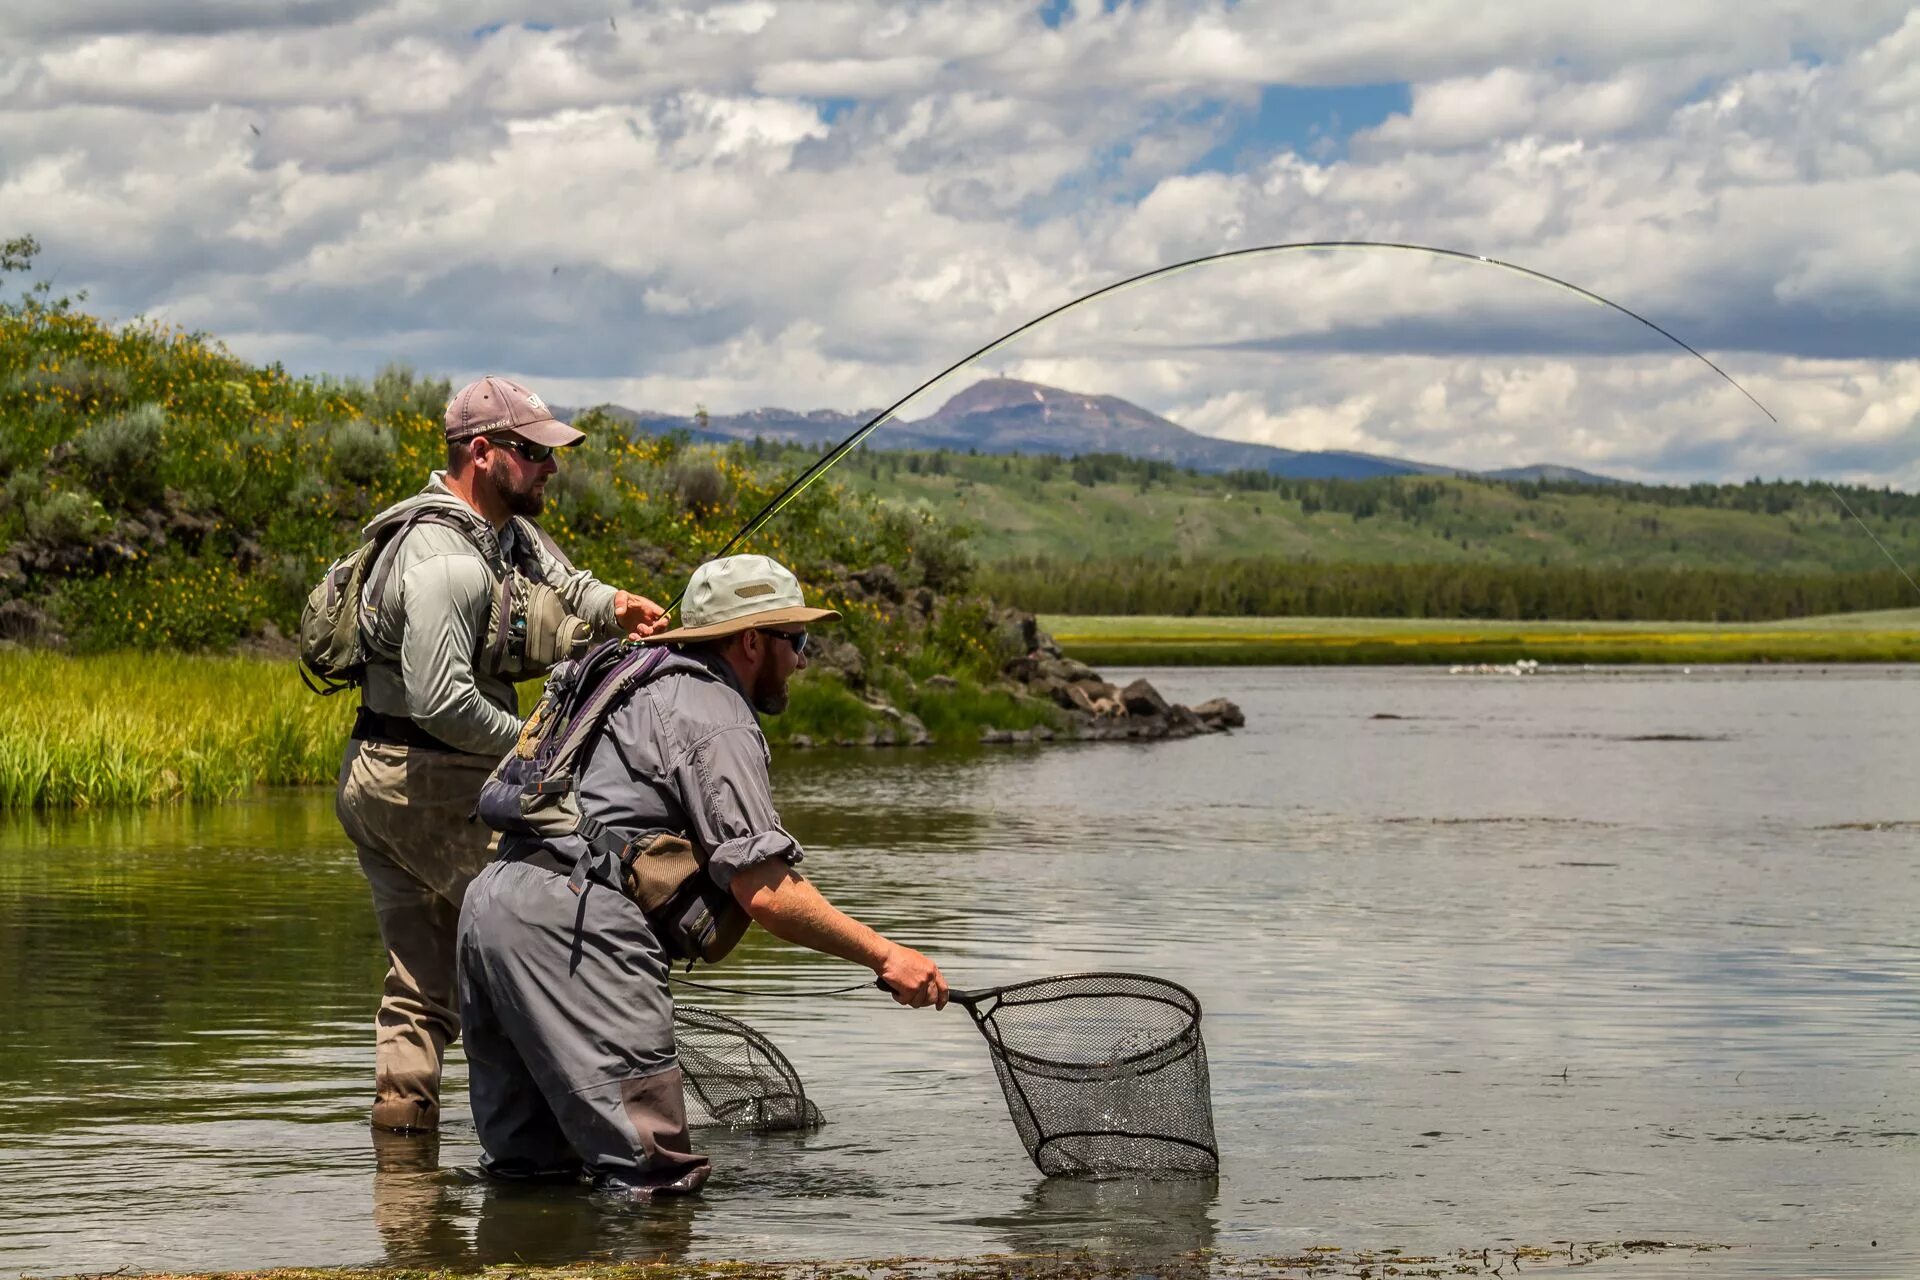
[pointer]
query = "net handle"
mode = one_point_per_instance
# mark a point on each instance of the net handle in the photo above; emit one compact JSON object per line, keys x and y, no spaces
{"x":965,"y":999}
{"x":970,"y":1000}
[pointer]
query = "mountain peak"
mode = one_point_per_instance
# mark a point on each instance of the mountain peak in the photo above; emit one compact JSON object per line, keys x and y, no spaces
{"x":992,"y":395}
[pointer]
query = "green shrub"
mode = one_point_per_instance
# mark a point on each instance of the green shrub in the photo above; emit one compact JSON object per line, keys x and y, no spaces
{"x":698,"y":486}
{"x":398,"y":391}
{"x":77,"y":386}
{"x":66,"y":517}
{"x":361,"y":451}
{"x":119,"y":451}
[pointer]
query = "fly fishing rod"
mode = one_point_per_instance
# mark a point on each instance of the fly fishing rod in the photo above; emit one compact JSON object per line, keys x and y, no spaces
{"x":832,"y":457}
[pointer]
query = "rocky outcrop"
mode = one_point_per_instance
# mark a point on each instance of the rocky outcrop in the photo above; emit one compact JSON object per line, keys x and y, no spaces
{"x":1094,"y":707}
{"x":1082,"y":704}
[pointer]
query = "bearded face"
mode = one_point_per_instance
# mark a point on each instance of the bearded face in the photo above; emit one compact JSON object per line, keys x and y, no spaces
{"x":769,"y":693}
{"x":518,"y":485}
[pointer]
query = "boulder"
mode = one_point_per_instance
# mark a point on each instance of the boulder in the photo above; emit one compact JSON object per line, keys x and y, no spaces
{"x":800,"y":742}
{"x":1218,"y":713}
{"x":913,"y":731}
{"x":842,"y":656}
{"x":990,"y":735}
{"x":1142,"y":699}
{"x":882,"y":582}
{"x":942,"y":682}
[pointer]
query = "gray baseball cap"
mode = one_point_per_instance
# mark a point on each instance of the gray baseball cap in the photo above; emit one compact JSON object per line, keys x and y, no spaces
{"x":739,"y":593}
{"x":498,"y":406}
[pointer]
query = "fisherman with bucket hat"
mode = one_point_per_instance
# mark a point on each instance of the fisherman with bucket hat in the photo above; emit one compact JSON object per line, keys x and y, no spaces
{"x":465,"y":595}
{"x":563,"y":969}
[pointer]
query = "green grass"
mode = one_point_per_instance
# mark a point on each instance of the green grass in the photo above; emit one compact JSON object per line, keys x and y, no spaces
{"x":115,"y":730}
{"x":130,"y":728}
{"x":1887,"y":636}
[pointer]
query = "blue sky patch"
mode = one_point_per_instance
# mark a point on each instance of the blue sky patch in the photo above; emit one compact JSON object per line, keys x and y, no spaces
{"x":1315,"y":122}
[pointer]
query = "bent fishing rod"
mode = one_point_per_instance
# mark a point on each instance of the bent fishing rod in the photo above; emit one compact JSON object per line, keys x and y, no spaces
{"x":829,"y":459}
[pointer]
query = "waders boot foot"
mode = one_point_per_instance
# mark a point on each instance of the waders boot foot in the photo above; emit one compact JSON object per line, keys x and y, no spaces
{"x":406,"y":1115}
{"x":631,"y":1188}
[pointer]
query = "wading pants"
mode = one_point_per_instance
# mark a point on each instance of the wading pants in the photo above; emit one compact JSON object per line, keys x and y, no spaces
{"x":570,"y":1056}
{"x":405,"y":809}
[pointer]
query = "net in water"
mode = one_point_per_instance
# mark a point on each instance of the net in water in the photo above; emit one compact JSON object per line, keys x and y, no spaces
{"x":1105,"y":1073}
{"x":736,"y":1077}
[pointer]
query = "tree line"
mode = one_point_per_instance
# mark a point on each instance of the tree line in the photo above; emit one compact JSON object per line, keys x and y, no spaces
{"x":1277,"y":588}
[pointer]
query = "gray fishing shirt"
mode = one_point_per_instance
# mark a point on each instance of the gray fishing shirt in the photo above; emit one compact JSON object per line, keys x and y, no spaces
{"x":433,"y":619}
{"x":685,"y":752}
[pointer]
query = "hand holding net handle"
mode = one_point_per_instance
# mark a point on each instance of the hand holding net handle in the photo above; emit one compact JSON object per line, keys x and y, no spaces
{"x":966,"y":998}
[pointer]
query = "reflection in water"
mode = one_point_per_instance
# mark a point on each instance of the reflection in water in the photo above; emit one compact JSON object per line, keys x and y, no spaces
{"x":454,"y":1218}
{"x":1502,"y":968}
{"x":1135,"y":1220}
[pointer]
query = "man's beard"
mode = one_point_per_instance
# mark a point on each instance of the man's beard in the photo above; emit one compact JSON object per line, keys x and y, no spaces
{"x":769,"y":690}
{"x":520,"y":502}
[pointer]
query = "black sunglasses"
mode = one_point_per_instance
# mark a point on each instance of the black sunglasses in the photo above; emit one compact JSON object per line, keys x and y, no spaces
{"x":798,"y":639}
{"x":527,"y":449}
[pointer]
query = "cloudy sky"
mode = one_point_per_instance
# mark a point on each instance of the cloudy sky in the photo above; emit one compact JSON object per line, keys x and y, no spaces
{"x":820,"y":205}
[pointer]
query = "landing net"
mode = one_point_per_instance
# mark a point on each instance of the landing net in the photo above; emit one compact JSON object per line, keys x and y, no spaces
{"x":736,"y":1077}
{"x":1105,"y":1073}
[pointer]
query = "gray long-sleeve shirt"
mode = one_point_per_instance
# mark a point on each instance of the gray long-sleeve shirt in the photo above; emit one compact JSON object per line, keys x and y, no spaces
{"x":686,"y":753}
{"x":433,"y":617}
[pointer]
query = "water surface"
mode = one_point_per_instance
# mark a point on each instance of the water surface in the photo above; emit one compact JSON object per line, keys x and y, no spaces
{"x":1577,"y":956}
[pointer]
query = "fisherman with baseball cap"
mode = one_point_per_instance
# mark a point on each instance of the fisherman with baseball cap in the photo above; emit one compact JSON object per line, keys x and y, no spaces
{"x":466,"y":595}
{"x":570,"y":1048}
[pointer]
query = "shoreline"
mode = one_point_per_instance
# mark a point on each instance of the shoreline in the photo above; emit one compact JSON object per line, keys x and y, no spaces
{"x":1150,"y":641}
{"x":1503,"y":1258}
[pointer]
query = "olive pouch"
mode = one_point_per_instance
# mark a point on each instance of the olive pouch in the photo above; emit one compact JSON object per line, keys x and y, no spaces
{"x":694,"y":918}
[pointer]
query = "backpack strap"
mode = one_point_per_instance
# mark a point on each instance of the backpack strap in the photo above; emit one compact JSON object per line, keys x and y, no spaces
{"x":604,"y":850}
{"x":390,"y":539}
{"x":533,"y":534}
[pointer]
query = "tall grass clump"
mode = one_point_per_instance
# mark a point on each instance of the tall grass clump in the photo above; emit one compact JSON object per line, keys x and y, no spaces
{"x":126,"y":729}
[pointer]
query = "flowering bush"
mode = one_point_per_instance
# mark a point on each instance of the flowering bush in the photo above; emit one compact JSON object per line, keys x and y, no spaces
{"x":167,"y":494}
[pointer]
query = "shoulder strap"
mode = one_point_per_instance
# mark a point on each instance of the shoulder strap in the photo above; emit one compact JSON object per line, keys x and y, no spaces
{"x":620,"y":680}
{"x":390,"y":538}
{"x":535,"y":535}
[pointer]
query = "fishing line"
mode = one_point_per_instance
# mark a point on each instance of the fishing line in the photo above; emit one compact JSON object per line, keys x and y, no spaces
{"x":768,"y":991}
{"x":827,"y":460}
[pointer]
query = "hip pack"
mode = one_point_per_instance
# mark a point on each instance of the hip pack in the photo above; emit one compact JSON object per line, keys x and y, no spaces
{"x":533,"y":794}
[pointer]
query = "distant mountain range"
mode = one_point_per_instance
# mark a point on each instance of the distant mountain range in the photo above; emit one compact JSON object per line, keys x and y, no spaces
{"x":1005,"y":415}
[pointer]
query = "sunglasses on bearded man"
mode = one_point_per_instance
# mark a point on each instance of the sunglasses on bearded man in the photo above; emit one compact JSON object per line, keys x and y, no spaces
{"x":534,"y":453}
{"x":798,"y":639}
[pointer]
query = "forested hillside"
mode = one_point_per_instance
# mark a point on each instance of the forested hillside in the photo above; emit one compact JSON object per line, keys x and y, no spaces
{"x":1112,"y":507}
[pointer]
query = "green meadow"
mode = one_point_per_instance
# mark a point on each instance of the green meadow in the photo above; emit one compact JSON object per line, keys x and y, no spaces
{"x":1882,"y":636}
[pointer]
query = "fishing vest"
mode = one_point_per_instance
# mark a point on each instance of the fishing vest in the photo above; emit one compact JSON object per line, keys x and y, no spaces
{"x":532,"y":798}
{"x":529,"y":629}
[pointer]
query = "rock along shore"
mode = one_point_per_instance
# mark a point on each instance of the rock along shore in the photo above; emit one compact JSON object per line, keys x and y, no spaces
{"x":1083,"y":705}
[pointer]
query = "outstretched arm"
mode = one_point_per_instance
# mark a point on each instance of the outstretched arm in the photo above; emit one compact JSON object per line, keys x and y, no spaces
{"x":786,"y":905}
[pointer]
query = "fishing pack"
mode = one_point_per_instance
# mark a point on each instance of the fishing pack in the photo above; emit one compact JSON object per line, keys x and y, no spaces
{"x":529,"y":627}
{"x":532,"y":795}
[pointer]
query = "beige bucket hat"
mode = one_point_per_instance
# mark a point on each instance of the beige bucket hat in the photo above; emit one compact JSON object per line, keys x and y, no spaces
{"x":739,"y":593}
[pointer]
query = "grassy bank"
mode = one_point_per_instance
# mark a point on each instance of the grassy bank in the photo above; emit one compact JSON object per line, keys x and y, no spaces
{"x":120,"y":729}
{"x":1887,"y":636}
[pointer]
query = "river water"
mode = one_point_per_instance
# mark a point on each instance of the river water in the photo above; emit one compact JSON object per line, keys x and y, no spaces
{"x":1572,"y":957}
